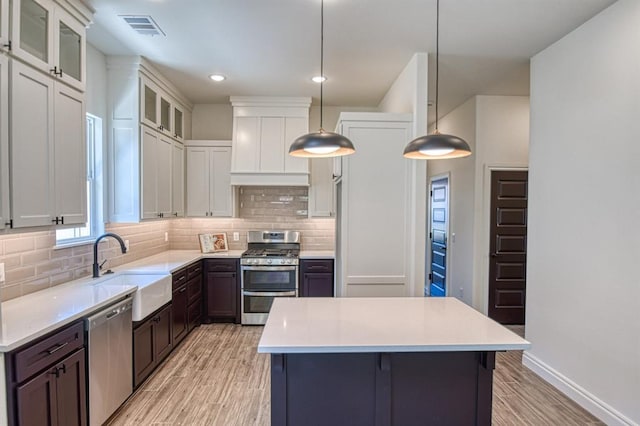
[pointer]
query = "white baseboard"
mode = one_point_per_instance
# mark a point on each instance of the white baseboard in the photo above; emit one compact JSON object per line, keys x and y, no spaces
{"x":582,"y":397}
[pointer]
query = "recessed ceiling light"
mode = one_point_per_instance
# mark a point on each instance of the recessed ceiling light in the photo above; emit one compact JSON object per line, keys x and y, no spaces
{"x":319,"y":79}
{"x":217,"y":77}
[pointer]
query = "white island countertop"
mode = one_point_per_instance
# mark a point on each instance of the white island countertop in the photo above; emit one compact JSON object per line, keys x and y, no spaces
{"x":382,"y":324}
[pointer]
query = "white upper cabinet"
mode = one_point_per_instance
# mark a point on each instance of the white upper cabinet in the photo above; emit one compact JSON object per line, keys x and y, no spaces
{"x":263,"y":130}
{"x":4,"y":25}
{"x":48,"y":173}
{"x":4,"y":141}
{"x":177,"y":180}
{"x":48,"y":37}
{"x":209,"y":192}
{"x":146,"y":125}
{"x":321,"y":190}
{"x":160,"y":111}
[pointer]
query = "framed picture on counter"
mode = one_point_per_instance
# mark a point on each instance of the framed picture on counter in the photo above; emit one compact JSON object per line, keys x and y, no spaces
{"x":213,"y":242}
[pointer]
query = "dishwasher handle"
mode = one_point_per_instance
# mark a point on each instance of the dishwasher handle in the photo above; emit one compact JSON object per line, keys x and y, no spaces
{"x":109,"y":313}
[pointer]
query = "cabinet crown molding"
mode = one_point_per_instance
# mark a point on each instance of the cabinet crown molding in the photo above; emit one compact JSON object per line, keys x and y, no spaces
{"x":273,"y":101}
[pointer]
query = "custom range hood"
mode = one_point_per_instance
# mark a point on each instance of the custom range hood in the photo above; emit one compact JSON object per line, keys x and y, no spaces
{"x":263,"y":130}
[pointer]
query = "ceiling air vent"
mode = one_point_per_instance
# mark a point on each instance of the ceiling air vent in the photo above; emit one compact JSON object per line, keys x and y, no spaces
{"x":142,"y":24}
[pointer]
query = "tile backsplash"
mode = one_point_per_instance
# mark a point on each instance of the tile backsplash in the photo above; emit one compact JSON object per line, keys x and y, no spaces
{"x":290,"y":202}
{"x":32,"y":263}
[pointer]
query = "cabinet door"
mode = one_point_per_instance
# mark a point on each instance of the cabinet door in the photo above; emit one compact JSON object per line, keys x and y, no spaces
{"x":36,"y":400}
{"x":32,"y":32}
{"x":32,"y":156}
{"x":4,"y":134}
{"x":163,"y":336}
{"x":163,"y":173}
{"x":194,"y":315}
{"x":222,"y":290}
{"x":221,"y":195}
{"x":166,"y":113}
{"x":144,"y":359}
{"x":179,"y":304}
{"x":272,"y":144}
{"x":294,"y":127}
{"x":4,"y":24}
{"x":70,"y":156}
{"x":321,"y":190}
{"x":245,"y":155}
{"x":69,"y":49}
{"x":178,"y":122}
{"x":317,"y":285}
{"x":71,"y":390}
{"x":198,"y":179}
{"x":149,"y":101}
{"x":177,"y":180}
{"x":149,"y":178}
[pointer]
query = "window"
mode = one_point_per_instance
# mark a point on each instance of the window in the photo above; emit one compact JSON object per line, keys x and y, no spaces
{"x":95,"y":224}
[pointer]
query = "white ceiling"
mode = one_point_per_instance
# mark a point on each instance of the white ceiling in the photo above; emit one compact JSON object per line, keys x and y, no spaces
{"x":272,"y":47}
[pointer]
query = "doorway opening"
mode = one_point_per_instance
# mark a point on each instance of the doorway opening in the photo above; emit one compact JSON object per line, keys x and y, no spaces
{"x":436,"y":282}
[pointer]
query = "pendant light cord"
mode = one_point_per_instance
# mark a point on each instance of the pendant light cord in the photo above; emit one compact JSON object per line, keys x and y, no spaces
{"x":437,"y":57}
{"x":321,"y":58}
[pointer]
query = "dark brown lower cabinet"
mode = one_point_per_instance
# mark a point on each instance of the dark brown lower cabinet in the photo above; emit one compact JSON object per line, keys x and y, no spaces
{"x":180,"y":314}
{"x":222,"y":290}
{"x":46,"y":380}
{"x":194,"y":295}
{"x":152,"y":342}
{"x":316,"y":278}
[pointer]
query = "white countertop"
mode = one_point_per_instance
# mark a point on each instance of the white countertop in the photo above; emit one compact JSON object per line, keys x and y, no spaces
{"x":29,"y":317}
{"x":317,"y":254}
{"x":172,"y":260}
{"x":382,"y":324}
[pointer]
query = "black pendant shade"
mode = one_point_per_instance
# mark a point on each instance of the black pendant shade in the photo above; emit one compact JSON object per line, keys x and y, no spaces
{"x":321,"y":144}
{"x":437,"y":146}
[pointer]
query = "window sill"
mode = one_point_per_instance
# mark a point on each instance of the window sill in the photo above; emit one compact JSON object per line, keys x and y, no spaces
{"x":75,"y":243}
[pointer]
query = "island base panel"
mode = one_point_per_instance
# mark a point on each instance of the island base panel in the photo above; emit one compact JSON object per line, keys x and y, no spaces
{"x":382,"y":389}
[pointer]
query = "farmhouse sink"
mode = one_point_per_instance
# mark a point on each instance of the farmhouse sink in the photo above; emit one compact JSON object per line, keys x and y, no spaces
{"x":154,"y":291}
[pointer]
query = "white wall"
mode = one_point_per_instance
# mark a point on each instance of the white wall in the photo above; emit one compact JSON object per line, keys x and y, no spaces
{"x":212,"y":121}
{"x":409,"y":94}
{"x":460,"y":122}
{"x":583,"y":301}
{"x":497,"y":130}
{"x":96,"y":90}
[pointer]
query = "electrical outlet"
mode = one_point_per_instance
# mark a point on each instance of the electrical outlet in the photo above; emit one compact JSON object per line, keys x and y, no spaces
{"x":236,"y":236}
{"x":126,"y":244}
{"x":166,"y":237}
{"x":1,"y":272}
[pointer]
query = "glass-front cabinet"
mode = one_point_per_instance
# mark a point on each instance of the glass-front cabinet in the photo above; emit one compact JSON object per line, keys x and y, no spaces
{"x":178,"y":123}
{"x":49,"y":38}
{"x":160,"y":111}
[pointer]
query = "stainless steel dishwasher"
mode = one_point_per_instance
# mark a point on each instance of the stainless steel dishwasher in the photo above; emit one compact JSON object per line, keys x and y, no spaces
{"x":110,"y":360}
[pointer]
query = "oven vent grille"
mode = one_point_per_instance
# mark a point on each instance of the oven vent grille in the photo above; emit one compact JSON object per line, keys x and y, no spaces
{"x":143,"y":24}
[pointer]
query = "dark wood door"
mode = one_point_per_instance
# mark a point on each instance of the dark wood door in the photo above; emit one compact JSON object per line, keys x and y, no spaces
{"x":163,"y":336}
{"x":508,"y":246}
{"x":36,"y":400}
{"x":438,"y":236}
{"x":144,"y":360}
{"x":179,"y":303}
{"x":71,"y":390}
{"x":222,"y":289}
{"x":317,"y":285}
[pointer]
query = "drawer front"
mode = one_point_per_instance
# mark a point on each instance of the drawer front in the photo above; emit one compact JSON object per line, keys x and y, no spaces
{"x":195,"y":315}
{"x":179,"y":278}
{"x":316,"y":265}
{"x":222,"y":265}
{"x":194,"y":270}
{"x":32,"y":359}
{"x":194,"y":289}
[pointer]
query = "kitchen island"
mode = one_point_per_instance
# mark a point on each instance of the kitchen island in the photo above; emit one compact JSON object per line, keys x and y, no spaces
{"x":382,"y":361}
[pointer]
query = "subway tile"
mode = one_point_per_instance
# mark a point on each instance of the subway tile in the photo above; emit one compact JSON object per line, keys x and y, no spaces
{"x":10,"y":292}
{"x":61,"y":278}
{"x":35,"y":285}
{"x":49,"y":267}
{"x":18,"y":245}
{"x":12,"y":261}
{"x":36,"y":256}
{"x":20,"y":274}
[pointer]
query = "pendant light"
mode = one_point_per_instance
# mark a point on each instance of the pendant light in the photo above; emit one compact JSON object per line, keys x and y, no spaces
{"x":321,"y":143}
{"x":437,"y":145}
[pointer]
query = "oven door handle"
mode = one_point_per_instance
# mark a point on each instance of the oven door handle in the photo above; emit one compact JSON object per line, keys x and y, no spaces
{"x":269,"y":268}
{"x":269,"y":293}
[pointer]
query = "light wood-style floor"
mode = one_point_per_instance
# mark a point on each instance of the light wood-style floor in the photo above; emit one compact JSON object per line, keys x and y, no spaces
{"x":216,"y":377}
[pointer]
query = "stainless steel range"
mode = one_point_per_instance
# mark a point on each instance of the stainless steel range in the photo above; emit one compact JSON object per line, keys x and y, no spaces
{"x":269,"y":269}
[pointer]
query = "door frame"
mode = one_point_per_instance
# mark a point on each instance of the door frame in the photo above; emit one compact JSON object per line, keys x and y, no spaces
{"x":482,"y":267}
{"x":427,"y":245}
